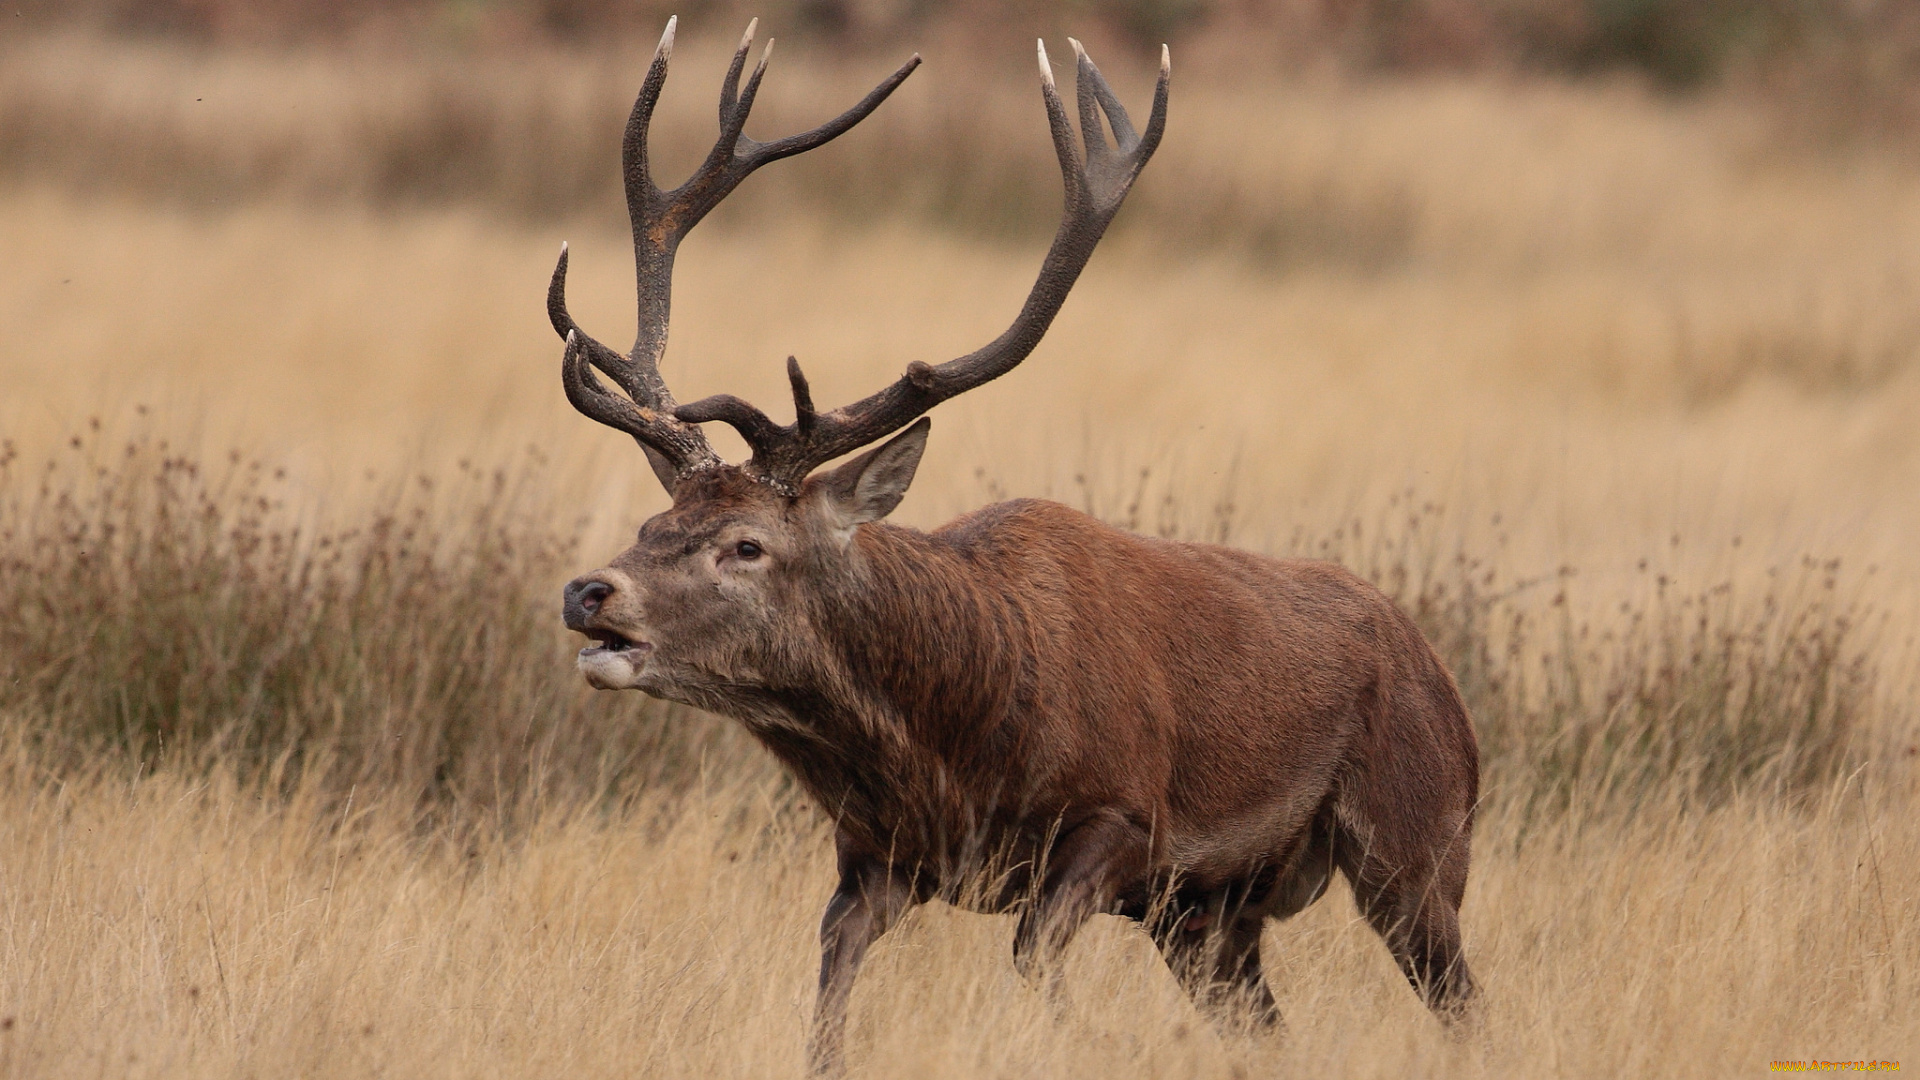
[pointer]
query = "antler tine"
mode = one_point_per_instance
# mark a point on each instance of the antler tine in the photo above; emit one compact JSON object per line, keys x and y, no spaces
{"x":633,"y":143}
{"x":1084,"y":75}
{"x":660,"y":220}
{"x":643,"y":384}
{"x":736,"y":104}
{"x":673,"y":448}
{"x":836,"y":127}
{"x":803,"y":414}
{"x":1095,"y":189}
{"x":730,"y":89}
{"x":1093,"y":86}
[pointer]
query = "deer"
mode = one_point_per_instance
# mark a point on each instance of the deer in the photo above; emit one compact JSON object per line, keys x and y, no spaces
{"x":1026,"y":710}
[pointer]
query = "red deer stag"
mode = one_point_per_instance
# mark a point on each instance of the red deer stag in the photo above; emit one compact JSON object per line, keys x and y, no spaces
{"x":1189,"y":735}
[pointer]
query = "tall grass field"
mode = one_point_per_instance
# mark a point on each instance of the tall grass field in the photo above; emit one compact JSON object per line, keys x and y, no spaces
{"x":1617,"y":393}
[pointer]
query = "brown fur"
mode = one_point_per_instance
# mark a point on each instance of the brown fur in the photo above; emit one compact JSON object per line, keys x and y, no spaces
{"x":1189,"y":735}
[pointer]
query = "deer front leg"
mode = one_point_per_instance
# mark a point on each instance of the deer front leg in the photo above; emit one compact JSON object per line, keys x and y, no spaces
{"x":871,"y":897}
{"x":1087,"y":869}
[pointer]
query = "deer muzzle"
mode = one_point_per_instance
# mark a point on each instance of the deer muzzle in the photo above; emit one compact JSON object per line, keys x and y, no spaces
{"x":591,"y":605}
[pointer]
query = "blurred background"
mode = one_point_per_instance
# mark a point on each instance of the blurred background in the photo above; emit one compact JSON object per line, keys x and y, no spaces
{"x":1614,"y":298}
{"x":495,"y":102}
{"x":334,"y":218}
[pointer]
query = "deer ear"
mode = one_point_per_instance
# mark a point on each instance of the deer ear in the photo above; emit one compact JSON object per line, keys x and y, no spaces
{"x":871,"y":485}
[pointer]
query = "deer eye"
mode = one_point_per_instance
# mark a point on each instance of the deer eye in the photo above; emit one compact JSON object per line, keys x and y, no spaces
{"x":747,"y":549}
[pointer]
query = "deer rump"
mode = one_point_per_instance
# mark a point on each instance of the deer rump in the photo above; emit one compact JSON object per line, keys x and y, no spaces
{"x":1088,"y":721}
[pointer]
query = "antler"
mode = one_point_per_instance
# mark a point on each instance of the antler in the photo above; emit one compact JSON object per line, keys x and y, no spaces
{"x":784,"y":456}
{"x":660,"y":220}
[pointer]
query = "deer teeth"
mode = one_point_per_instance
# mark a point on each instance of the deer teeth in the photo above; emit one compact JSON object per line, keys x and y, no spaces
{"x":608,"y":641}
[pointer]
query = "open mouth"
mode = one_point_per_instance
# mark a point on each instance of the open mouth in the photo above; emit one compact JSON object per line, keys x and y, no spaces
{"x":610,"y":642}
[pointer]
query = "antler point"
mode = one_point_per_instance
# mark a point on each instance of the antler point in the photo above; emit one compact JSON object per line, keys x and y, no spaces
{"x":665,"y":49}
{"x":803,"y":410}
{"x":1046,"y":69}
{"x":1079,"y":51}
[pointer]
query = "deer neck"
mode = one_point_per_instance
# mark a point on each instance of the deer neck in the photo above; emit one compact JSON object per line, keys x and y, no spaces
{"x":896,"y":723}
{"x":925,"y":636}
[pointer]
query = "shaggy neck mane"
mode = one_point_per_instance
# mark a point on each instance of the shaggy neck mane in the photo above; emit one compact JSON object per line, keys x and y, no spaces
{"x":914,"y":728}
{"x":931,"y":633}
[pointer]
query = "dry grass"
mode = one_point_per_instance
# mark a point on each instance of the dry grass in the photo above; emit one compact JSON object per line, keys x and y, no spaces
{"x":190,"y":926}
{"x":273,"y":806}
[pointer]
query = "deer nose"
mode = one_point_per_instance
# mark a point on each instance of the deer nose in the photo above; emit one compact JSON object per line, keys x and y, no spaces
{"x":593,"y":594}
{"x":583,"y":597}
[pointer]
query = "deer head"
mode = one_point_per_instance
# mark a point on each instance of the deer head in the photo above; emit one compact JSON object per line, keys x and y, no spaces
{"x":718,"y":600}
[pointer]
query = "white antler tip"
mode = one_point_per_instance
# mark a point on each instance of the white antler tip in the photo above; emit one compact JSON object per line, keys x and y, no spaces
{"x":1046,"y":69}
{"x":1166,"y":60}
{"x":766,"y":54}
{"x":1079,"y":51}
{"x":746,"y":39}
{"x":571,"y":334}
{"x":563,"y":247}
{"x":666,"y":40}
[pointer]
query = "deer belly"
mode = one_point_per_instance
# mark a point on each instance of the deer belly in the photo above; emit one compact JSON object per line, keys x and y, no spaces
{"x":1228,"y":847}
